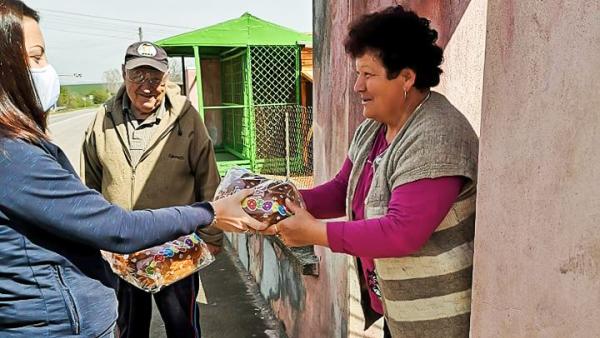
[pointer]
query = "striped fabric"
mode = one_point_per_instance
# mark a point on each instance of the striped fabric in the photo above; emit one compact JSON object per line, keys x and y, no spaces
{"x":428,"y":294}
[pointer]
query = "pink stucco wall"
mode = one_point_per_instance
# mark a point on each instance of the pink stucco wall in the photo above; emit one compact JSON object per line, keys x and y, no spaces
{"x":537,"y":249}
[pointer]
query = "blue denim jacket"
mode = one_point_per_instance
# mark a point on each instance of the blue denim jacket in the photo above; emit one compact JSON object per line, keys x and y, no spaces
{"x":53,"y":281}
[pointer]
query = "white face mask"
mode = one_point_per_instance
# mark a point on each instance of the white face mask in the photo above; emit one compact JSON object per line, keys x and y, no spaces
{"x":47,"y":85}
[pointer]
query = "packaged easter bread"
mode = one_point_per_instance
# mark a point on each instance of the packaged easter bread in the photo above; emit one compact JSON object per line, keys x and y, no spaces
{"x":154,"y":268}
{"x":267,"y":204}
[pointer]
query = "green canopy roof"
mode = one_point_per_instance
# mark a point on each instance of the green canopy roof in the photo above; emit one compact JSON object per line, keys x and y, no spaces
{"x":246,"y":30}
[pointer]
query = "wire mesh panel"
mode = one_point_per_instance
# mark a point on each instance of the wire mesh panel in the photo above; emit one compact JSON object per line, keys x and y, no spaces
{"x":235,"y":123}
{"x":263,"y":122}
{"x":271,"y":139}
{"x":282,"y":128}
{"x":232,"y":80}
{"x":274,"y":74}
{"x":234,"y":131}
{"x":301,"y":145}
{"x":284,"y":142}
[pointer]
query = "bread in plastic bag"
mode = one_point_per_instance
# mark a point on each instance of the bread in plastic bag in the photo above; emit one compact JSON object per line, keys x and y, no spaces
{"x":267,"y":204}
{"x":154,"y":268}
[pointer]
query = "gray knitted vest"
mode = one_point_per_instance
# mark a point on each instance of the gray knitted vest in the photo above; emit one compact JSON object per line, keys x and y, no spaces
{"x":427,"y":294}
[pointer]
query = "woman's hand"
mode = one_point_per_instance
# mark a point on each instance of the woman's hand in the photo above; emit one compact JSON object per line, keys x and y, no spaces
{"x":300,"y":229}
{"x":230,"y":215}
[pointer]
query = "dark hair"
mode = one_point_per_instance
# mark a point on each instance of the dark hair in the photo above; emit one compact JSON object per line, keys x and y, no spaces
{"x":402,"y":40}
{"x":21,"y":115}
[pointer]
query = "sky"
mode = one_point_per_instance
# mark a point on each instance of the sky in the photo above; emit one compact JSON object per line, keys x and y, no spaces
{"x":90,"y":37}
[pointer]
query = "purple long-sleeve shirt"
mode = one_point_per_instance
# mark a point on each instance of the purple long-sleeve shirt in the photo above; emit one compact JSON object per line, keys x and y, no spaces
{"x":414,"y":212}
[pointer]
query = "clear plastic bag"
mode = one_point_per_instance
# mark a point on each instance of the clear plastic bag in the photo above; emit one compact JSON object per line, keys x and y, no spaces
{"x":154,"y":268}
{"x":267,"y":204}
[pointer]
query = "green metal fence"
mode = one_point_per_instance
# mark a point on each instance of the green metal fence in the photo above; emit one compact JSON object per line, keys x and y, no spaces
{"x":274,"y":74}
{"x":284,"y":142}
{"x":235,"y":124}
{"x":262,"y":119}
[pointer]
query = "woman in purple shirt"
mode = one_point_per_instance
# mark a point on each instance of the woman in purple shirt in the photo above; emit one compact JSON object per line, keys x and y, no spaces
{"x":407,"y":185}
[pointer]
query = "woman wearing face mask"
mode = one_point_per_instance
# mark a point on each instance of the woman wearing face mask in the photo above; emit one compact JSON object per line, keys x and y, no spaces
{"x":47,"y":85}
{"x":53,"y":282}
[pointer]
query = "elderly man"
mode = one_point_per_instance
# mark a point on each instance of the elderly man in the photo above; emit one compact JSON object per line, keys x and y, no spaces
{"x":148,"y":148}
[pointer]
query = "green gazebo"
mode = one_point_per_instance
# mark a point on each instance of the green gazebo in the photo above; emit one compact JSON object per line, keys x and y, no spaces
{"x":252,"y":108}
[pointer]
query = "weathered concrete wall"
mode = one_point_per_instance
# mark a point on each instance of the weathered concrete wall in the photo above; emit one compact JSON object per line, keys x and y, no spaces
{"x":464,"y":52}
{"x":308,"y":306}
{"x":537,"y":247}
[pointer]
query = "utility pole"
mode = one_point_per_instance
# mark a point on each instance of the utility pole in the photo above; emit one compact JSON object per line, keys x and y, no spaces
{"x":140,"y":34}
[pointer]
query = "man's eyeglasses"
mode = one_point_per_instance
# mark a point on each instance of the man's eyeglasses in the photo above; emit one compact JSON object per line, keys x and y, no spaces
{"x":139,"y":76}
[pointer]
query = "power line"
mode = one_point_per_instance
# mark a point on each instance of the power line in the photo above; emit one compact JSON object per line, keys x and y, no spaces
{"x":71,"y":22}
{"x":81,"y":25}
{"x":92,"y":34}
{"x":86,"y":21}
{"x":132,"y":34}
{"x":112,"y":19}
{"x":84,"y":47}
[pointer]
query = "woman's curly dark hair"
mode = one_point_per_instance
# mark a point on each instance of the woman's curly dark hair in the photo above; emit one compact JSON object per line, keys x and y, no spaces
{"x":401,"y":39}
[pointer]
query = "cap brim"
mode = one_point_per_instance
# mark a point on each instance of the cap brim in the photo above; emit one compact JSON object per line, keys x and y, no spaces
{"x":138,"y":62}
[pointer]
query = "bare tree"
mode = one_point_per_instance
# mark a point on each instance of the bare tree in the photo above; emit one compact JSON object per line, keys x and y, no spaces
{"x":113,"y":79}
{"x":175,"y":72}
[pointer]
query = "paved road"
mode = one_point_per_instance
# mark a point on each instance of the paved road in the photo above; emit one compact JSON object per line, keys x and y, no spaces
{"x":67,"y":129}
{"x":233,"y":309}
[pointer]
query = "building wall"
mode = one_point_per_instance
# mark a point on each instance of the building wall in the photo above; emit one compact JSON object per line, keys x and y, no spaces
{"x":327,"y":305}
{"x":537,"y":256}
{"x":461,"y":28}
{"x":307,"y":306}
{"x":537,"y":248}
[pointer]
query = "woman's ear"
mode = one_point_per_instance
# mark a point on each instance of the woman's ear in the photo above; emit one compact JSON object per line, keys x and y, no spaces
{"x":409,"y":76}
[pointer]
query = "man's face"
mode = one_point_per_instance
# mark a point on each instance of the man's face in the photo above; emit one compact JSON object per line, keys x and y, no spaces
{"x":145,"y":87}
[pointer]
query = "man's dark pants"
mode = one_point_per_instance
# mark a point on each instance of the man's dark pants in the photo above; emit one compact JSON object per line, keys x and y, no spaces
{"x":176,"y":304}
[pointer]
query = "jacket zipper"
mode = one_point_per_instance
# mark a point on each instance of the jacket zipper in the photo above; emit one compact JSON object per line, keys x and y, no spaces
{"x":73,"y":313}
{"x":146,"y":152}
{"x":132,"y":185}
{"x":160,"y":138}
